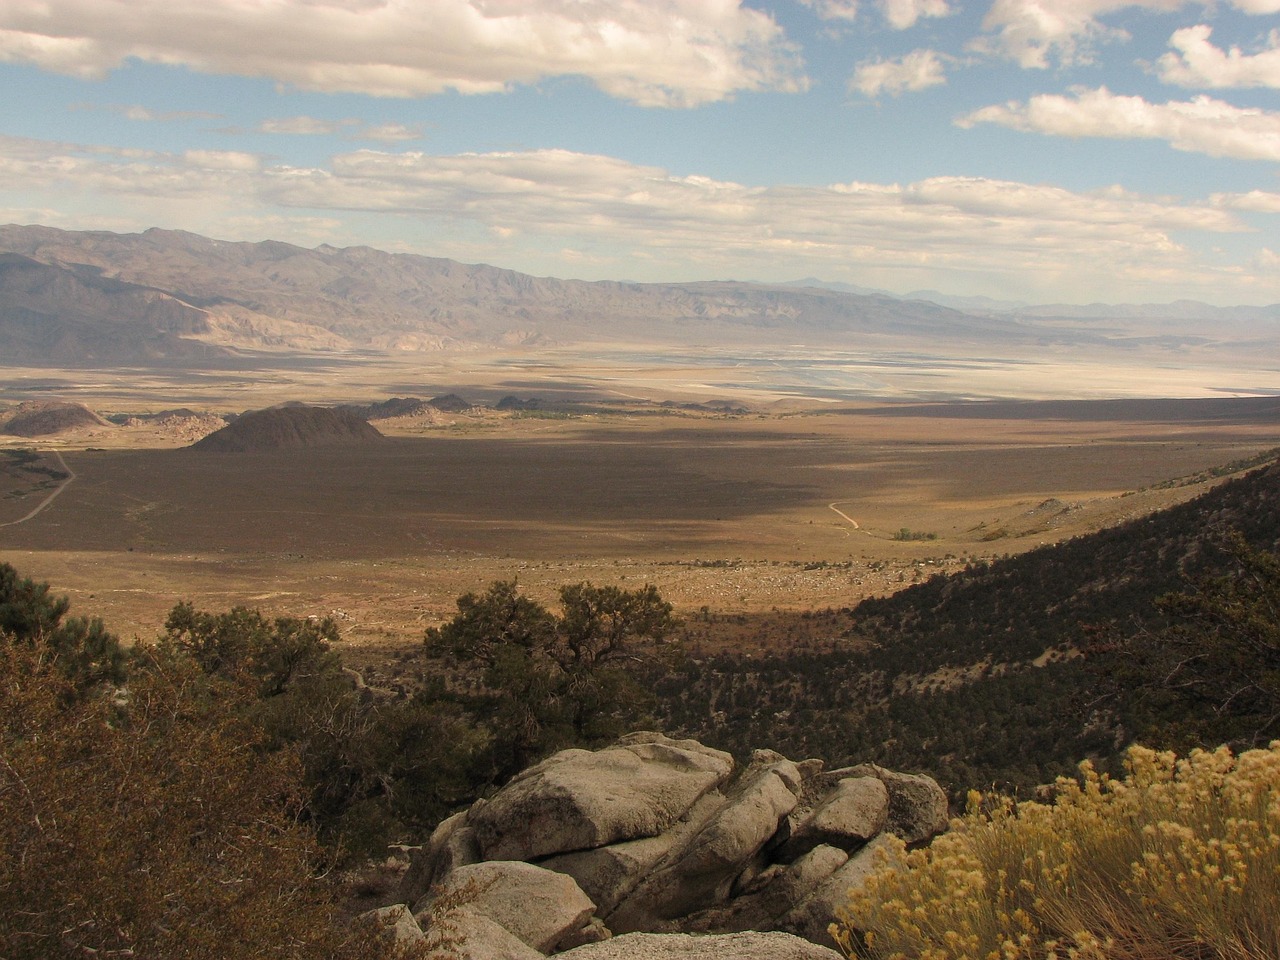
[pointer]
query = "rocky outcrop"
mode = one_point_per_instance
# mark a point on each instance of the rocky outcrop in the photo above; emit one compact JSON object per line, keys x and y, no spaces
{"x":580,"y":800}
{"x":660,"y":848}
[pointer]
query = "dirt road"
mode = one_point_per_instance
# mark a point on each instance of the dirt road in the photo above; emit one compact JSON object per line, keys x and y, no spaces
{"x":51,"y":497}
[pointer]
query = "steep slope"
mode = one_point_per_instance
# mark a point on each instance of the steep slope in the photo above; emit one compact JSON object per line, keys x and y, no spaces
{"x":289,"y":428}
{"x":992,"y":675}
{"x":74,"y":315}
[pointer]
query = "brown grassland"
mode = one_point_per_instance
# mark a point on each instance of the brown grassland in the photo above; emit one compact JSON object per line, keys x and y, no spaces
{"x":791,"y":506}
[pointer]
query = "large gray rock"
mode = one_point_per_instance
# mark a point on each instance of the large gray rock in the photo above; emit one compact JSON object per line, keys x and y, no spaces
{"x":703,"y":872}
{"x":656,"y":836}
{"x":473,"y":936}
{"x":772,"y":894}
{"x":452,"y":845}
{"x":579,"y":799}
{"x":396,"y":922}
{"x":537,"y":906}
{"x":609,"y":874}
{"x":812,"y":917}
{"x":729,"y":946}
{"x":918,"y":808}
{"x":853,"y":812}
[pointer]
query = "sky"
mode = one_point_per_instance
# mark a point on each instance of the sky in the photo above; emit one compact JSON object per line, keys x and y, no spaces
{"x":1036,"y":150}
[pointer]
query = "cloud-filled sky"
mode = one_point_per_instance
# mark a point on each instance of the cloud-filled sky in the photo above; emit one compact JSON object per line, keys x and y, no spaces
{"x":1043,"y":150}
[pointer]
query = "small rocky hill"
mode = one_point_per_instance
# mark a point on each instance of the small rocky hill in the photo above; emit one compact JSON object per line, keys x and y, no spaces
{"x":655,"y":840}
{"x":409,"y":407}
{"x":290,"y":427}
{"x":48,"y":418}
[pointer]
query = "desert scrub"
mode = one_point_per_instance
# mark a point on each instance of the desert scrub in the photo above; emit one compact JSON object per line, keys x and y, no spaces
{"x":1179,"y":859}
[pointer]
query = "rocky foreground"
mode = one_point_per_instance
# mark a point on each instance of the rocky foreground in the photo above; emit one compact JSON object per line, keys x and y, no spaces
{"x":656,"y":848}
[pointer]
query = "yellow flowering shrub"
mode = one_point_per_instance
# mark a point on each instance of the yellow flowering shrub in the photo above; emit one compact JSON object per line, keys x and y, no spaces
{"x":1179,"y":859}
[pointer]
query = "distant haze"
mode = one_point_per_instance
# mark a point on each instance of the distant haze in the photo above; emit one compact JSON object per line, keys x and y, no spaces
{"x":172,"y":298}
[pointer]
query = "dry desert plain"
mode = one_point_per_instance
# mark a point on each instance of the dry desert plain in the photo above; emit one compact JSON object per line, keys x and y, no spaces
{"x":784,"y":505}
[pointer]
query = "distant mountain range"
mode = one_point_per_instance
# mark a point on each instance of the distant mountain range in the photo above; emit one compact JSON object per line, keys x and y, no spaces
{"x":166,"y":296}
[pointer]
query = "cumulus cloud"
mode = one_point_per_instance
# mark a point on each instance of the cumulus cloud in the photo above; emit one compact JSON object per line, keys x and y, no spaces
{"x":917,"y":70}
{"x":618,"y":215}
{"x":899,"y":14}
{"x":903,"y":14}
{"x":1200,"y":125}
{"x":302,"y":126}
{"x":349,"y":128}
{"x":1198,"y":63}
{"x":1036,"y":33}
{"x":833,"y":9}
{"x":389,"y":132}
{"x":1262,"y":201}
{"x":662,"y":53}
{"x":597,"y":200}
{"x":230,"y":160}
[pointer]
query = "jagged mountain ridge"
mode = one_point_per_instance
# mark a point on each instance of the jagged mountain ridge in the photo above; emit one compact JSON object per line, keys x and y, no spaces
{"x":274,"y":295}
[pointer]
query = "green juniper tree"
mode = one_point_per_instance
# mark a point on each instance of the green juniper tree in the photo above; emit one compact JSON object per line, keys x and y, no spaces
{"x":546,"y":681}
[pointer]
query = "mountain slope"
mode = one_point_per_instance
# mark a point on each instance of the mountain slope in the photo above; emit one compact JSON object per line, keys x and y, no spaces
{"x":1002,"y":673}
{"x":53,"y":312}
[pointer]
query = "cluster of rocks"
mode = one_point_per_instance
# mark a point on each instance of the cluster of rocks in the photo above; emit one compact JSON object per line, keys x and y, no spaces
{"x":656,"y":847}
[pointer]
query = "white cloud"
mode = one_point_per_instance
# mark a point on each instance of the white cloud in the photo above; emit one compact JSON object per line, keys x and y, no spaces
{"x":1035,"y":33}
{"x":899,"y":14}
{"x":389,"y":132}
{"x":348,"y":128}
{"x":1267,"y":261}
{"x":917,"y":70}
{"x":669,"y":53}
{"x":1200,"y":125}
{"x":1198,"y":63}
{"x":228,"y":160}
{"x":1262,"y":201}
{"x":302,"y":126}
{"x":618,"y":217}
{"x":833,"y":9}
{"x":903,"y":14}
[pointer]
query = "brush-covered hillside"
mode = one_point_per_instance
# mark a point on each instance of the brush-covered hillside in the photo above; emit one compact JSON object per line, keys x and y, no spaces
{"x":1011,"y":672}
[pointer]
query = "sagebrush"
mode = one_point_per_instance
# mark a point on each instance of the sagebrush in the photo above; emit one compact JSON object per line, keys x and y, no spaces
{"x":1179,"y":859}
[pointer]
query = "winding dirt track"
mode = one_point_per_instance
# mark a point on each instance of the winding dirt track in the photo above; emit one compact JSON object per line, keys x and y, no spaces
{"x":833,"y":506}
{"x":51,"y":497}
